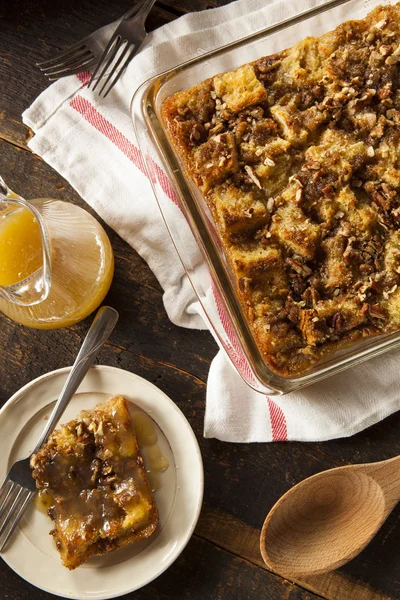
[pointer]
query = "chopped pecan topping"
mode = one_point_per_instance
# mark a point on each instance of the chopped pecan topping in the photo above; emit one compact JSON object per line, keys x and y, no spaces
{"x":252,"y":176}
{"x":311,"y":153}
{"x":338,"y":321}
{"x":300,"y":268}
{"x":377,"y":312}
{"x":293,"y":310}
{"x":244,"y":284}
{"x":298,"y":284}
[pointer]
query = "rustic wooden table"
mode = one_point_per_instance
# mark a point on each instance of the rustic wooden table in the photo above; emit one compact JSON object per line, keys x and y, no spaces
{"x":242,"y":482}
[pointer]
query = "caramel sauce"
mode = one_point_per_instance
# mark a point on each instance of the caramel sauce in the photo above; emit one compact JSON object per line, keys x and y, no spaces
{"x":93,"y":483}
{"x":44,"y":500}
{"x":145,"y":429}
{"x":146,"y":434}
{"x":156,"y":463}
{"x":154,"y":480}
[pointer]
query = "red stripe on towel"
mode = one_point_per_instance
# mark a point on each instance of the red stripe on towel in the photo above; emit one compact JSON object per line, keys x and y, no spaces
{"x":165,"y":183}
{"x":278,"y":422}
{"x":92,"y":116}
{"x":84,"y":77}
{"x":234,"y":346}
{"x":96,"y":119}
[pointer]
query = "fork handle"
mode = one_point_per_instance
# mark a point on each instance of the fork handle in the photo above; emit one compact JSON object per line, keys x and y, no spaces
{"x":100,"y":330}
{"x":145,"y":9}
{"x":132,"y":11}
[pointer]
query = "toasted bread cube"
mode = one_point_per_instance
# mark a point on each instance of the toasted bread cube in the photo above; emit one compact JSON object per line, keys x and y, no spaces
{"x":337,"y":272}
{"x":262,"y":287}
{"x":303,"y":63}
{"x":361,"y":216}
{"x":349,"y":309}
{"x":196,"y":101}
{"x":93,"y":471}
{"x":330,"y":317}
{"x":215,"y":160}
{"x":295,"y":230}
{"x":393,"y":307}
{"x":239,"y":212}
{"x":392,"y":254}
{"x":288,"y":119}
{"x":248,"y":262}
{"x":273,"y":172}
{"x":239,"y":88}
{"x":278,"y":337}
{"x":339,"y":152}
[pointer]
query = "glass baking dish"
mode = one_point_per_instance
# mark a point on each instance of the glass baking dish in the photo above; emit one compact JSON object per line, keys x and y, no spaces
{"x":205,"y":262}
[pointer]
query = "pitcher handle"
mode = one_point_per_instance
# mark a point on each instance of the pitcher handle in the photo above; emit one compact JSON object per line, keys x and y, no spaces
{"x":4,"y":189}
{"x":36,"y":287}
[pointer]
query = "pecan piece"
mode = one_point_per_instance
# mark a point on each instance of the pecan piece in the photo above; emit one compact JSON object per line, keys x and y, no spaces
{"x":298,"y":284}
{"x":293,"y":311}
{"x":377,"y":312}
{"x":301,"y":269}
{"x":311,"y":296}
{"x":219,"y":128}
{"x":244,"y":284}
{"x":338,"y":321}
{"x":197,"y":134}
{"x":252,"y":176}
{"x":95,"y":468}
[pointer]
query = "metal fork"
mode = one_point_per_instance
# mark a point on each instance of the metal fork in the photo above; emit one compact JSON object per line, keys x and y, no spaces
{"x":80,"y":56}
{"x":19,"y":486}
{"x":122,"y":47}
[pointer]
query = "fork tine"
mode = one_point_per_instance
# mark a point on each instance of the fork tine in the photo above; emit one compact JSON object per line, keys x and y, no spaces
{"x":8,"y":504}
{"x":5,"y":494}
{"x":115,"y":67}
{"x":72,"y":60}
{"x":110,"y":53}
{"x":67,"y":60}
{"x":67,"y":68}
{"x":73,"y":65}
{"x":66,"y":73}
{"x":3,"y":488}
{"x":63,"y":54}
{"x":23,"y":503}
{"x":120,"y":71}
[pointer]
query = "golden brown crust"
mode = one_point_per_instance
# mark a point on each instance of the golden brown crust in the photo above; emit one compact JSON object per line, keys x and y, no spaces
{"x":93,"y":472}
{"x":297,"y":155}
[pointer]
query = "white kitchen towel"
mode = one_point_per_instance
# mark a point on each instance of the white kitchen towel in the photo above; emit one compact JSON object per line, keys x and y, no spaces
{"x":92,"y":144}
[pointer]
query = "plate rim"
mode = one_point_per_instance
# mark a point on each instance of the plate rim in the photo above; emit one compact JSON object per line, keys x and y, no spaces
{"x":197,"y":509}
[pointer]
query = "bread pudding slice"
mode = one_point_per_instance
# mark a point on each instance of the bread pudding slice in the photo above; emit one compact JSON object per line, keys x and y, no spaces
{"x":297,"y":155}
{"x":92,"y":474}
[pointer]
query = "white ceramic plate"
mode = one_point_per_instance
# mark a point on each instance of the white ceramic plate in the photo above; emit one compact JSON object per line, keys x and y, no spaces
{"x":31,"y":552}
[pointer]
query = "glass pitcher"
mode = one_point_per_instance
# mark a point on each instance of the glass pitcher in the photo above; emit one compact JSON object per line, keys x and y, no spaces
{"x":56,"y":261}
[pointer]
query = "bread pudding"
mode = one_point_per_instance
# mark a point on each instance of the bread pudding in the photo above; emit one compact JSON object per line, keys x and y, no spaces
{"x":297,"y":156}
{"x":93,"y":479}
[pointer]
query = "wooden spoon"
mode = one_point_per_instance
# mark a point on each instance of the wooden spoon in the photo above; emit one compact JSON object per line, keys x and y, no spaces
{"x":326,"y":520}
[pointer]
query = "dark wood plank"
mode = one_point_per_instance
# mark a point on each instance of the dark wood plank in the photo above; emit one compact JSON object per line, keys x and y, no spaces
{"x":242,"y":481}
{"x":183,"y":6}
{"x":12,"y":130}
{"x":358,"y":580}
{"x":34,"y":31}
{"x":202,"y":572}
{"x":135,"y":290}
